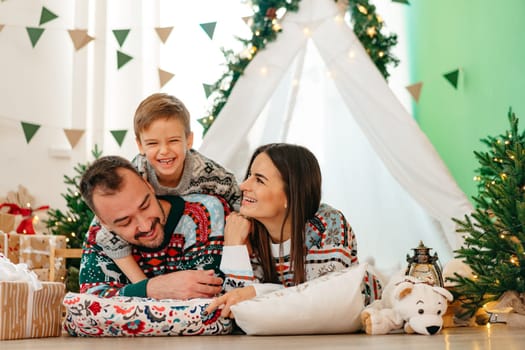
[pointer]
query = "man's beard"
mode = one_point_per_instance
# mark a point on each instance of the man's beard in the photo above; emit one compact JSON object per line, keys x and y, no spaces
{"x":160,"y":238}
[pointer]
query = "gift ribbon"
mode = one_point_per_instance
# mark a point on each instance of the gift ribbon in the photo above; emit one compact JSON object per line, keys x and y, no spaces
{"x":26,"y":225}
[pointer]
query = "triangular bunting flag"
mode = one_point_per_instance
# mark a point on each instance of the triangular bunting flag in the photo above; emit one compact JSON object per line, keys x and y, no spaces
{"x":46,"y":16}
{"x":164,"y":33}
{"x":119,"y":135}
{"x":164,"y":77}
{"x":208,"y":89}
{"x":1,"y":27}
{"x":121,"y":35}
{"x":248,"y":20}
{"x":34,"y":34}
{"x":29,"y":130}
{"x":80,"y":38}
{"x":452,"y":78}
{"x":402,"y":2}
{"x":415,"y":90}
{"x":209,"y":28}
{"x":73,"y":136}
{"x":122,"y":59}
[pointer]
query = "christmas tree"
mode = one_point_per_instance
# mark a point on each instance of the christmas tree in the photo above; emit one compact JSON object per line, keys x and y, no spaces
{"x":73,"y":223}
{"x":493,"y":246}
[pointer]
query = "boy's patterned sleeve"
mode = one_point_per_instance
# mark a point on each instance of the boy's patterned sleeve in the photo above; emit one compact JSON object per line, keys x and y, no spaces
{"x":99,"y":275}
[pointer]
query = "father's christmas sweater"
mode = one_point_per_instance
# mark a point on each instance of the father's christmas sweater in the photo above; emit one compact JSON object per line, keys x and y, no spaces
{"x":193,"y":240}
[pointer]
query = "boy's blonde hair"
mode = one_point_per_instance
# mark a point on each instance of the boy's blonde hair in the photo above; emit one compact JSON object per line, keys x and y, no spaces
{"x":157,"y":106}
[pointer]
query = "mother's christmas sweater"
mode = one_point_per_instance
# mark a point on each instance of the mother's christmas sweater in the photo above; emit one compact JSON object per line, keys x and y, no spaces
{"x":193,"y":240}
{"x":331,"y":246}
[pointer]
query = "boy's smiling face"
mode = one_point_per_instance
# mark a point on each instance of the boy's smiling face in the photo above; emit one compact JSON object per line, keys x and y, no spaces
{"x":165,"y":143}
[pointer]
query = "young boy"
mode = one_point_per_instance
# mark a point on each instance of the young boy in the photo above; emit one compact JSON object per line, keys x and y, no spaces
{"x":170,"y":165}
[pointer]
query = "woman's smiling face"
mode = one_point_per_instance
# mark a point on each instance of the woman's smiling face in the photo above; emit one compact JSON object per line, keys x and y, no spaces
{"x":263,"y":196}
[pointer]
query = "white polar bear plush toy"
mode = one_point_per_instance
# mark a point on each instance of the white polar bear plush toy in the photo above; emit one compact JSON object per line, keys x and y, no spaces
{"x":407,"y":303}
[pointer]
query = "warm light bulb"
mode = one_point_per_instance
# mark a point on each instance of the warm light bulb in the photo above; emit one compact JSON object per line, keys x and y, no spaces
{"x":379,"y":19}
{"x":362,"y":9}
{"x":306,"y":31}
{"x":380,"y":53}
{"x":73,"y":234}
{"x":371,"y":31}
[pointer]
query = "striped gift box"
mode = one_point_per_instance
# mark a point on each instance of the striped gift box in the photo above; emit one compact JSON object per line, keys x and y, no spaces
{"x":25,"y":313}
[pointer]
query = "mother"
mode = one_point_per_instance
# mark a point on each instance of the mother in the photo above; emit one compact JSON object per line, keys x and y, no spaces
{"x":284,"y":235}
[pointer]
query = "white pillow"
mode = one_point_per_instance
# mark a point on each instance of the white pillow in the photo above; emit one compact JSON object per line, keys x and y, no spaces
{"x":326,"y":305}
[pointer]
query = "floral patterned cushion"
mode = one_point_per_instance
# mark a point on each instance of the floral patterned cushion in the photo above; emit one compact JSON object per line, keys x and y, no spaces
{"x":92,"y":316}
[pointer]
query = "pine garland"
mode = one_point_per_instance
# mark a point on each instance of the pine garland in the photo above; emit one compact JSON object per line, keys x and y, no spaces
{"x":366,"y":24}
{"x":494,"y":246}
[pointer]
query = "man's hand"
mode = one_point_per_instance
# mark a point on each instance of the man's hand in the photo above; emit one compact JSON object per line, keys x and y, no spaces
{"x":231,"y":298}
{"x":184,"y":285}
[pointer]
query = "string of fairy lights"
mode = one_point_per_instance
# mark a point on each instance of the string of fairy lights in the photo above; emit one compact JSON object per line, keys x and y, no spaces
{"x":265,"y":26}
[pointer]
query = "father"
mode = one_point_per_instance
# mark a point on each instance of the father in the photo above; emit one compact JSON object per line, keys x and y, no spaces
{"x":171,"y":237}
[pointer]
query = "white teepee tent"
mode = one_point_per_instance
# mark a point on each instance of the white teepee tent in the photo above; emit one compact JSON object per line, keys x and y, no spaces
{"x":316,"y":86}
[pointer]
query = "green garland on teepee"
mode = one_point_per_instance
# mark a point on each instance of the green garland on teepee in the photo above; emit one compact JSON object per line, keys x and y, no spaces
{"x":366,"y":24}
{"x":74,"y":223}
{"x":495,"y":240}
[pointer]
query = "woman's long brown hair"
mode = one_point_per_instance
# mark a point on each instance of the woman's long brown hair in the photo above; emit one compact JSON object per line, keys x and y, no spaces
{"x":301,"y":175}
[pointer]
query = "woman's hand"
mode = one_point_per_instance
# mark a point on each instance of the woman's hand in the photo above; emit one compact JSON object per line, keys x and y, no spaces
{"x":231,"y":298}
{"x":237,"y":229}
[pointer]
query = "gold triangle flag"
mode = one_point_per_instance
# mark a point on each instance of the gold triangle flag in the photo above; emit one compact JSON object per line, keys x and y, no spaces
{"x":80,"y":38}
{"x":248,"y":20}
{"x":415,"y":90}
{"x":73,"y":136}
{"x":163,"y":33}
{"x":1,"y":27}
{"x":164,"y":77}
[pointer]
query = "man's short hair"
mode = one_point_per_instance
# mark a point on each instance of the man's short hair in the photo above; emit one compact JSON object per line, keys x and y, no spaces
{"x":103,"y":175}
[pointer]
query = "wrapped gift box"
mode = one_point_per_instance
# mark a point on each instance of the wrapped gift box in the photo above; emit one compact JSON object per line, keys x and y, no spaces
{"x":10,"y":246}
{"x":35,"y":250}
{"x":7,"y":222}
{"x":30,"y":314}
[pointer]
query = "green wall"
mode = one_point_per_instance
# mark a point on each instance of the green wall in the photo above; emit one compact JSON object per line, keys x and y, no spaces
{"x":485,"y":39}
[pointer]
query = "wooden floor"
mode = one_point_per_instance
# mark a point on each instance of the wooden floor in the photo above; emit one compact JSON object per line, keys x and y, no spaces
{"x":495,"y":337}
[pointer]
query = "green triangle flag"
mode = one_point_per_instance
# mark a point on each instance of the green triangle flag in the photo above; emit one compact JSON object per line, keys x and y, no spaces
{"x":119,"y":135}
{"x":34,"y":34}
{"x":452,"y":78}
{"x":29,"y":130}
{"x":402,"y":2}
{"x":121,"y":35}
{"x":122,"y":59}
{"x":208,"y":89}
{"x":46,"y":16}
{"x":209,"y":28}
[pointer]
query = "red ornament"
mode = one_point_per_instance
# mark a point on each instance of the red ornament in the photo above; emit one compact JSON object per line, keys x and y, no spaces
{"x":271,"y":13}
